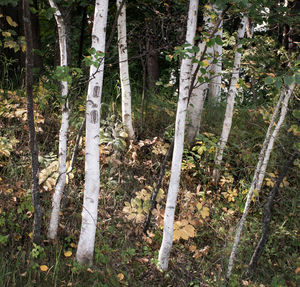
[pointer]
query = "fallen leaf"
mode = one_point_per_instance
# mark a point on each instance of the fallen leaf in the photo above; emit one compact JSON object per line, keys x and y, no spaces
{"x":68,"y":253}
{"x":44,"y":268}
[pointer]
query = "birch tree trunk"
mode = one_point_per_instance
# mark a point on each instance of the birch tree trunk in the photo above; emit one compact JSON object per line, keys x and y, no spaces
{"x":198,"y":95}
{"x":263,"y":157}
{"x":124,"y":73}
{"x":35,"y":190}
{"x":214,"y":90}
{"x":86,"y":243}
{"x":230,"y":101}
{"x":185,"y":75}
{"x":63,"y":133}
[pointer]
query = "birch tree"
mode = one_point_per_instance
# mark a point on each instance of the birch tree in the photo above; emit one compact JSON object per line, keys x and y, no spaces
{"x":260,"y":167}
{"x":198,"y":95}
{"x":214,"y":90}
{"x":184,"y":83}
{"x":230,"y":100}
{"x":35,"y":190}
{"x":63,"y":133}
{"x":86,"y":243}
{"x":124,"y":70}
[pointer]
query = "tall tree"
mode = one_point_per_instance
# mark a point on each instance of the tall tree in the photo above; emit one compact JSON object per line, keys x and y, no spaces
{"x":86,"y":243}
{"x":63,"y":133}
{"x":35,"y":190}
{"x":230,"y":100}
{"x":124,"y":70}
{"x":198,"y":94}
{"x":184,"y":84}
{"x":214,"y":90}
{"x":264,"y":155}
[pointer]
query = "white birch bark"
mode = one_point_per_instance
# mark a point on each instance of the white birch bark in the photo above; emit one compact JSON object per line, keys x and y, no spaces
{"x":185,"y":74}
{"x":214,"y":90}
{"x":261,"y":166}
{"x":198,"y":95}
{"x":85,"y":248}
{"x":230,"y":101}
{"x":124,"y":71}
{"x":63,"y":133}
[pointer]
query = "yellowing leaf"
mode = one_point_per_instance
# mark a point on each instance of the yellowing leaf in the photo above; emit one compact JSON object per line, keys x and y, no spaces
{"x":30,"y":235}
{"x":205,"y":63}
{"x":11,"y":22}
{"x":207,"y":7}
{"x":120,"y":276}
{"x":204,"y":212}
{"x":237,"y":85}
{"x":73,"y":245}
{"x":6,"y":34}
{"x":44,"y":268}
{"x":68,"y":253}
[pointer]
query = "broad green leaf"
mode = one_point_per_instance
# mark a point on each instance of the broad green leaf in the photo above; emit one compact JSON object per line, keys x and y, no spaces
{"x":269,"y":80}
{"x":288,"y":80}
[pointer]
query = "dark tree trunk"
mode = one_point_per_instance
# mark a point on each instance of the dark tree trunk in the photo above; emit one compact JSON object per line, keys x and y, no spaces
{"x":267,"y":217}
{"x":37,"y":221}
{"x":36,"y":38}
{"x":152,"y":57}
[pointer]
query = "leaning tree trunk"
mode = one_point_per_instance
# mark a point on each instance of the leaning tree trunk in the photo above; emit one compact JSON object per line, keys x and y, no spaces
{"x":35,"y":190}
{"x":267,"y":217}
{"x":63,"y":133}
{"x":266,"y":149}
{"x":185,"y":74}
{"x":86,"y":243}
{"x":124,"y":73}
{"x":214,"y":91}
{"x":230,"y":100}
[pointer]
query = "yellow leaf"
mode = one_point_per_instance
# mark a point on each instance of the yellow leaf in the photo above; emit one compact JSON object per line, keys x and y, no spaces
{"x":120,"y":276}
{"x":73,"y":245}
{"x":6,"y":34}
{"x":44,"y":268}
{"x":68,"y":253}
{"x":204,"y":212}
{"x":11,"y":22}
{"x":205,"y":63}
{"x":30,"y":235}
{"x":207,"y":7}
{"x":237,"y":85}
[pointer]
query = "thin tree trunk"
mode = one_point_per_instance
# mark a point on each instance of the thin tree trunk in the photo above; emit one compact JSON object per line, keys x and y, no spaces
{"x":35,"y":190}
{"x":198,"y":95}
{"x":266,"y":148}
{"x":124,"y":71}
{"x":185,"y":75}
{"x":63,"y":133}
{"x":230,"y":101}
{"x":214,"y":90}
{"x":264,"y":165}
{"x":267,"y":217}
{"x":86,"y":243}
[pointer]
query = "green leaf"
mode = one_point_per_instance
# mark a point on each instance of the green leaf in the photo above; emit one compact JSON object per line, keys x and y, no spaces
{"x":219,"y":41}
{"x":288,"y":80}
{"x":277,"y":84}
{"x":296,"y":114}
{"x":297,"y":78}
{"x":203,"y":71}
{"x":269,"y":80}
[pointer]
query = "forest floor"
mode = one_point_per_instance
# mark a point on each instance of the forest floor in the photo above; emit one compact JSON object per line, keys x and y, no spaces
{"x":206,"y":215}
